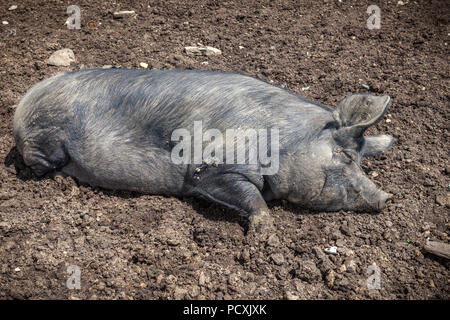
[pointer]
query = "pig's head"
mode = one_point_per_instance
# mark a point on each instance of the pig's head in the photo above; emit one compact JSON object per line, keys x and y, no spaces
{"x":330,"y":175}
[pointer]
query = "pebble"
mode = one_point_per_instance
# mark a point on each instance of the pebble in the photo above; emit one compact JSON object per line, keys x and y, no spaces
{"x":123,"y":14}
{"x":5,"y":22}
{"x":400,"y":3}
{"x":277,"y":258}
{"x":17,"y":269}
{"x":331,"y":250}
{"x":245,"y":255}
{"x":342,"y":268}
{"x":273,"y":241}
{"x":61,"y":57}
{"x":179,"y":293}
{"x":143,"y":65}
{"x":443,"y":200}
{"x":202,"y":51}
{"x":290,"y":296}
{"x":331,"y":276}
{"x":13,"y":7}
{"x":350,"y":265}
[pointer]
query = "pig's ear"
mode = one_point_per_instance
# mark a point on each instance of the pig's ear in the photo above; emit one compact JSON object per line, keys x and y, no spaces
{"x":357,"y":112}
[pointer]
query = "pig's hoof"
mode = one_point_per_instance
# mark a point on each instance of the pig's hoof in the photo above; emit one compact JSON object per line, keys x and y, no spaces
{"x":59,"y":176}
{"x":261,"y":224}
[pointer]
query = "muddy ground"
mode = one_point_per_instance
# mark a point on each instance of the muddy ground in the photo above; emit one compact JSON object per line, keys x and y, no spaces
{"x":131,"y":246}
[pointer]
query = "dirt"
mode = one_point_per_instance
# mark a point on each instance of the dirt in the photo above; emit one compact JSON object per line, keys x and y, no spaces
{"x":132,"y":246}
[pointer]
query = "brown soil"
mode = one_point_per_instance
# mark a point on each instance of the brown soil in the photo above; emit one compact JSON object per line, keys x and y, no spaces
{"x":131,"y":246}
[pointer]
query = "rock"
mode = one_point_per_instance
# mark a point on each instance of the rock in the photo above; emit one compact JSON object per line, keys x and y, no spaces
{"x":107,"y":66}
{"x":345,"y":229}
{"x":443,"y":200}
{"x":330,"y":277}
{"x":273,"y":241}
{"x":61,"y":57}
{"x":308,"y":271}
{"x":123,"y":14}
{"x":202,"y":51}
{"x":143,"y":65}
{"x":277,"y":258}
{"x":245,"y":255}
{"x":171,"y":279}
{"x":17,"y":269}
{"x":447,"y":170}
{"x":400,"y":3}
{"x":331,"y":250}
{"x":350,"y":265}
{"x":202,"y":279}
{"x":5,"y":225}
{"x":5,"y":22}
{"x":290,"y":296}
{"x":440,"y":249}
{"x":13,"y":7}
{"x":342,"y":268}
{"x":180,"y":293}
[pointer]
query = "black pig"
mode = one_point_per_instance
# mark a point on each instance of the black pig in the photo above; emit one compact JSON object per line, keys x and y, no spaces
{"x":113,"y":128}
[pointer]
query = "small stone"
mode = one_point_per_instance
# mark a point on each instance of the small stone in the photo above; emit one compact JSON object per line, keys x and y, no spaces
{"x":5,"y":22}
{"x":290,"y":296}
{"x":13,"y":7}
{"x":350,"y":265}
{"x":202,"y":279}
{"x":400,"y":3}
{"x":245,"y":255}
{"x":273,"y":241}
{"x":389,"y":224}
{"x":388,"y":120}
{"x":143,"y":65}
{"x":202,"y":51}
{"x":331,"y":250}
{"x":342,"y":268}
{"x":17,"y":269}
{"x":340,"y":242}
{"x":442,"y":200}
{"x":346,"y":230}
{"x":330,"y":277}
{"x":308,"y":271}
{"x":277,"y":258}
{"x":5,"y":225}
{"x":123,"y":14}
{"x":61,"y":57}
{"x":179,"y":293}
{"x":107,"y":66}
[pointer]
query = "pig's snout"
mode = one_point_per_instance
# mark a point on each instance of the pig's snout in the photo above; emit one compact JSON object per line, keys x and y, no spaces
{"x":381,"y":200}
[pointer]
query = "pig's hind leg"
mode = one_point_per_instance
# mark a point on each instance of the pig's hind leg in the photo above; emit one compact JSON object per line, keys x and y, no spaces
{"x":235,"y":191}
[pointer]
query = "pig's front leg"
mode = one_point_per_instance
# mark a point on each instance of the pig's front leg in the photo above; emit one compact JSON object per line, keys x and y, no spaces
{"x":235,"y":191}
